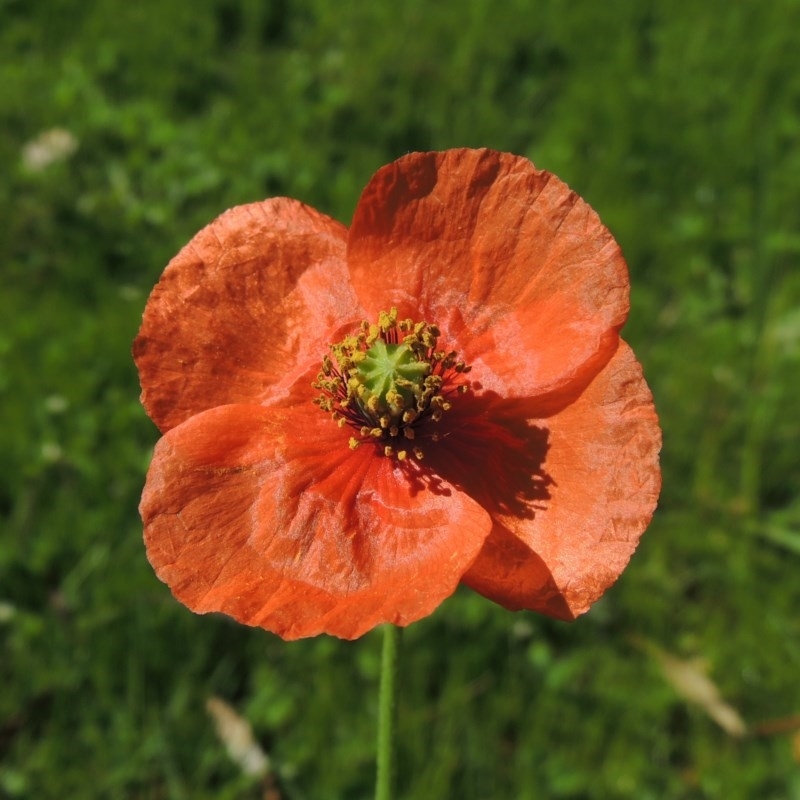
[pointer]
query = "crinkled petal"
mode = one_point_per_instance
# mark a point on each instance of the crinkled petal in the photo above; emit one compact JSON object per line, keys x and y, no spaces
{"x":601,"y":478}
{"x":244,"y":308}
{"x":516,"y":269}
{"x":266,"y":515}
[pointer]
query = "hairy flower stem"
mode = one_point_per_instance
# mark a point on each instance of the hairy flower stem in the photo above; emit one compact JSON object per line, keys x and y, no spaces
{"x":387,"y":711}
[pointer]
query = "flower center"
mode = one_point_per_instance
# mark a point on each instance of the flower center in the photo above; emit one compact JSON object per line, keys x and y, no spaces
{"x":388,"y":382}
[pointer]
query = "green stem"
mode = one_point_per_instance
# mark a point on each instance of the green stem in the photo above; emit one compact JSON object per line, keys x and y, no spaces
{"x":387,"y":708}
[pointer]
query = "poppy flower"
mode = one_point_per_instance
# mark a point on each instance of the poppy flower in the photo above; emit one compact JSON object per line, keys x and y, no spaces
{"x":357,"y":421}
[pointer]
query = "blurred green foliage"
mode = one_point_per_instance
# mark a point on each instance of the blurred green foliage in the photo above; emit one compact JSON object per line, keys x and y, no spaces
{"x":678,"y":121}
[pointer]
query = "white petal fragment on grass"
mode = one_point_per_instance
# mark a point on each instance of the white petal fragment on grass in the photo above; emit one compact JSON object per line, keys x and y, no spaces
{"x":690,"y":680}
{"x":236,"y":734}
{"x":56,"y":144}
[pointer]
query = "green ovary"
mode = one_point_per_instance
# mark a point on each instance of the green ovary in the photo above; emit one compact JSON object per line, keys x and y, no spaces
{"x":391,"y":369}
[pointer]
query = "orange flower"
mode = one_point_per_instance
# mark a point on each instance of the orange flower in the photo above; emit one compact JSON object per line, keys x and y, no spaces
{"x":357,"y":421}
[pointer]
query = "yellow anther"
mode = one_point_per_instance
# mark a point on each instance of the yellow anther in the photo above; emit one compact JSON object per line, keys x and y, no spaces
{"x":394,"y":398}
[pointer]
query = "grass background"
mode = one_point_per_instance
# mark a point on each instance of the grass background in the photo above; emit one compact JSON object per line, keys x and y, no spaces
{"x":678,"y":121}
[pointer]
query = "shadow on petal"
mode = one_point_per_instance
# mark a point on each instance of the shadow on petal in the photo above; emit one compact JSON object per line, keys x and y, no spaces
{"x":493,"y":454}
{"x":509,"y":573}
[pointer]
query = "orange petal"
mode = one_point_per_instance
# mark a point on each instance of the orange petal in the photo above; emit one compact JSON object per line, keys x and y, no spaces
{"x":602,"y":479}
{"x":516,"y":269}
{"x":244,"y":308}
{"x":267,"y":516}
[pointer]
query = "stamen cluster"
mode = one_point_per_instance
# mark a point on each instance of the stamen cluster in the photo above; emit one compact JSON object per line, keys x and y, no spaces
{"x":387,"y":381}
